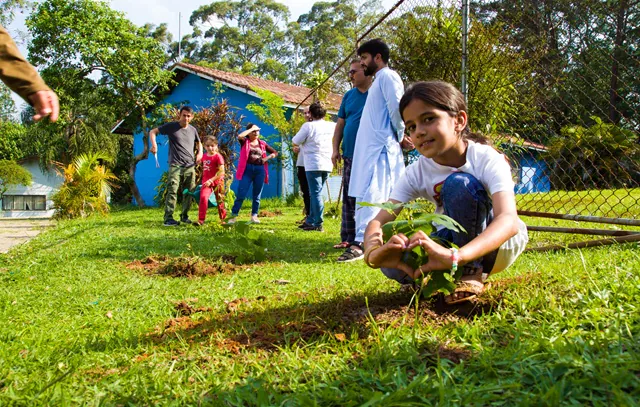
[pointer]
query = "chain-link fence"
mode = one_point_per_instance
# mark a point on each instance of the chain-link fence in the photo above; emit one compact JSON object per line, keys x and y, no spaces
{"x":555,"y":85}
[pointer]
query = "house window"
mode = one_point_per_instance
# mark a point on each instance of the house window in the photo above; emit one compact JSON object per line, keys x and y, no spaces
{"x":24,"y":203}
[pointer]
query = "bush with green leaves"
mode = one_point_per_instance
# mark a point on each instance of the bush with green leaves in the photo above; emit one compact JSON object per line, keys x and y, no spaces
{"x":601,"y":156}
{"x":87,"y":184}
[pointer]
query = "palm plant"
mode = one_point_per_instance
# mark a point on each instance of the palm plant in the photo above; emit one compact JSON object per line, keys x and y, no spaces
{"x":87,"y":185}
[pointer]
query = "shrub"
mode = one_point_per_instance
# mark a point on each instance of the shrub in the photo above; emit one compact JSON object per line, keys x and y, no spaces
{"x":601,"y":156}
{"x":87,"y":184}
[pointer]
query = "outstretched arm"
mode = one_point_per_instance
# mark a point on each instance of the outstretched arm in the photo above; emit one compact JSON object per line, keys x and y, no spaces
{"x":379,"y":254}
{"x":21,"y":77}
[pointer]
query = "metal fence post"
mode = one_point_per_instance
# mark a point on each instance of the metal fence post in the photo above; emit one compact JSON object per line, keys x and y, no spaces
{"x":464,"y":84}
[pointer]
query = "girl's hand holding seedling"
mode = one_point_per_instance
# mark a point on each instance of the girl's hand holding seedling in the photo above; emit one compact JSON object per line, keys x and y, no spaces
{"x":439,"y":256}
{"x":390,"y":254}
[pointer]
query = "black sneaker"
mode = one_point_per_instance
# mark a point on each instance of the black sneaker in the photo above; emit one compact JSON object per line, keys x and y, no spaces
{"x":171,"y":222}
{"x":186,"y":220}
{"x":310,"y":228}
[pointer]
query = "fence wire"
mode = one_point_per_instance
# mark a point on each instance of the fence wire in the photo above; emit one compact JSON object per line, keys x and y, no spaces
{"x":554,"y":84}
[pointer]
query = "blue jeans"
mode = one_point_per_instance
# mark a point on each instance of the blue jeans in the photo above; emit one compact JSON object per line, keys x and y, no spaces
{"x":465,"y":200}
{"x":316,"y":180}
{"x":253,"y":174}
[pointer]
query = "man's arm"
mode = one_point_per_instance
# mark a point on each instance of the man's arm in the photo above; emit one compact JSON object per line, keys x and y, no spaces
{"x":337,"y":139}
{"x":301,"y":136}
{"x":22,"y":78}
{"x":152,"y":140}
{"x":199,"y":155}
{"x":392,"y":91}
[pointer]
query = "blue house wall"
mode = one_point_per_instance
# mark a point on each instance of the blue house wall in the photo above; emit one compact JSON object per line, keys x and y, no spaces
{"x":532,"y":174}
{"x":197,"y":93}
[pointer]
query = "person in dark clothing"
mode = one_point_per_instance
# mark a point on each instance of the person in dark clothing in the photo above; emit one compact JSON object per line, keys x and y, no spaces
{"x":183,"y":141}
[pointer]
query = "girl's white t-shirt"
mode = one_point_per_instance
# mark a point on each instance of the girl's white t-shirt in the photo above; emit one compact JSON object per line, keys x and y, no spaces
{"x":425,"y":178}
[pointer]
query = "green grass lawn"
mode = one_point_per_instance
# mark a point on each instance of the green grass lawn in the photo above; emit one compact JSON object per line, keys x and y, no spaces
{"x":88,"y":318}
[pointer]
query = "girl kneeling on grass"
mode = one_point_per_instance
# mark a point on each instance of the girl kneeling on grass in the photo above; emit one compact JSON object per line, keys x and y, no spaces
{"x":466,"y":180}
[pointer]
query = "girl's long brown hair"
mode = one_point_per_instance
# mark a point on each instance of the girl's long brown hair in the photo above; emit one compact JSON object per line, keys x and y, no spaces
{"x":444,"y":96}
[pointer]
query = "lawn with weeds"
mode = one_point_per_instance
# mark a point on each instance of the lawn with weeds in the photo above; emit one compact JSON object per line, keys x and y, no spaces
{"x":119,"y":310}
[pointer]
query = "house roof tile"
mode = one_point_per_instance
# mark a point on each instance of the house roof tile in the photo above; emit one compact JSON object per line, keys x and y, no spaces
{"x":290,"y":93}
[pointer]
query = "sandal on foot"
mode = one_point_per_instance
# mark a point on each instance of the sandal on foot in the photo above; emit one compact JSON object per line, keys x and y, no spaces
{"x":341,"y":245}
{"x":465,"y":291}
{"x":350,"y":255}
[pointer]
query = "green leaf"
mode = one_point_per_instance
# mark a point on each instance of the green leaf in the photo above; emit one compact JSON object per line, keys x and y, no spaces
{"x":387,"y":206}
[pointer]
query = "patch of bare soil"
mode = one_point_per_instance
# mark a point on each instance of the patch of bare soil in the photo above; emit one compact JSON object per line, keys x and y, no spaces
{"x":247,"y":325}
{"x":186,"y":309}
{"x":185,"y":266}
{"x":453,"y":353}
{"x":269,"y":214}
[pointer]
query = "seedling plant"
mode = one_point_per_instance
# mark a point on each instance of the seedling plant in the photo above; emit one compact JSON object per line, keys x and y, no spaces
{"x":418,"y":216}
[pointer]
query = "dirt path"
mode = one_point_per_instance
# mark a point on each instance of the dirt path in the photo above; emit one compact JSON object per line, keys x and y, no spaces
{"x":17,"y":231}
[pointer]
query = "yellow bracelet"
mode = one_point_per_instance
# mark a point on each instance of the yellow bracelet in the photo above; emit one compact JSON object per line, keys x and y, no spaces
{"x":368,"y":252}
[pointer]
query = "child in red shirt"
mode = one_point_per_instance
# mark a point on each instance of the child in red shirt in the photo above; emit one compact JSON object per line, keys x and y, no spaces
{"x":212,"y":179}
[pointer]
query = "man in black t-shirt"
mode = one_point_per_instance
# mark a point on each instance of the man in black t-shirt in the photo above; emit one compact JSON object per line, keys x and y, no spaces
{"x":183,"y":141}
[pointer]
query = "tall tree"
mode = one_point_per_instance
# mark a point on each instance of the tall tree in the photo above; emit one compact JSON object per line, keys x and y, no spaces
{"x":243,"y":36}
{"x":87,"y":38}
{"x":8,"y":9}
{"x":327,"y":34}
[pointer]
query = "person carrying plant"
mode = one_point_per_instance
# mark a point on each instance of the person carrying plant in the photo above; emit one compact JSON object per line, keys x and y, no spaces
{"x":467,"y":180}
{"x":212,"y":180}
{"x":183,"y":140}
{"x":253,"y":168}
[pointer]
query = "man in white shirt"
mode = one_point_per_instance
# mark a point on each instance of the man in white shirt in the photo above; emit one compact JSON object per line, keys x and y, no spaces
{"x":377,"y":160}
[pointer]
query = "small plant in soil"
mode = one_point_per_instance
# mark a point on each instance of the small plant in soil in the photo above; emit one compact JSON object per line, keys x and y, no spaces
{"x":419,"y":216}
{"x":250,"y":242}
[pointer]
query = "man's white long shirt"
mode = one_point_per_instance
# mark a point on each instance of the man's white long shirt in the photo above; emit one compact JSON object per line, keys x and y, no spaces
{"x":381,"y":131}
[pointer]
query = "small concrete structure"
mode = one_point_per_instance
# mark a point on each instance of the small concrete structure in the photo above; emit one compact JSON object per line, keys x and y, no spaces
{"x":33,"y":201}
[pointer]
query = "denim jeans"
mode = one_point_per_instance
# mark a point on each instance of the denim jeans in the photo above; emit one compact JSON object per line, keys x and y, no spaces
{"x":465,"y":200}
{"x":316,"y":180}
{"x":253,"y":174}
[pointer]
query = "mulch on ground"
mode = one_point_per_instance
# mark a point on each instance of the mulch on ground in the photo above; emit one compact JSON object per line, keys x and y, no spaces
{"x":185,"y":266}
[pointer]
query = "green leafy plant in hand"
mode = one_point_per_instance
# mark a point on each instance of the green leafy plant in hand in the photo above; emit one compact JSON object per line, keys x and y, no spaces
{"x":420,"y":218}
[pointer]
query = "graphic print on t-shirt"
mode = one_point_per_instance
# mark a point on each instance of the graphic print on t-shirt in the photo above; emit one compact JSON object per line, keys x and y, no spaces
{"x":437,"y":190}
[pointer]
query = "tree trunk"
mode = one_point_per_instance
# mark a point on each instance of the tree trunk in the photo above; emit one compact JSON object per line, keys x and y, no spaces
{"x":136,"y":159}
{"x":614,"y":97}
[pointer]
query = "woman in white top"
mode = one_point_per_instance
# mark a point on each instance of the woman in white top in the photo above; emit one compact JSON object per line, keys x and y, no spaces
{"x":466,"y":180}
{"x":315,"y":139}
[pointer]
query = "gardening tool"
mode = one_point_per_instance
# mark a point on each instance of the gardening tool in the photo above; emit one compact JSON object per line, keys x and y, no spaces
{"x":196,"y":195}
